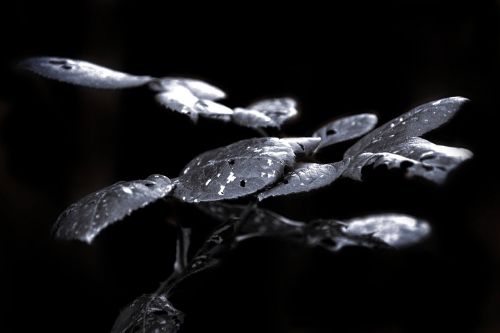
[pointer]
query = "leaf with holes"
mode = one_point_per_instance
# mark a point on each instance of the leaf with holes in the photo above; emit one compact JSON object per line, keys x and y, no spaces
{"x":418,"y":121}
{"x":151,"y":312}
{"x":85,"y":219}
{"x":306,"y":177}
{"x":418,"y":157}
{"x":345,"y":129}
{"x":198,"y":88}
{"x":82,"y":73}
{"x":233,"y":171}
{"x":397,"y":230}
{"x":266,"y":113}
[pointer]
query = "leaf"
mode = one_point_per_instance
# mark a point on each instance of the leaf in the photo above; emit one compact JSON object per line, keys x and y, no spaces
{"x":149,"y":313}
{"x":418,"y":157}
{"x":233,"y":171}
{"x":266,"y":113}
{"x":414,"y":123}
{"x":303,"y":146}
{"x":373,"y":231}
{"x":397,"y":230}
{"x":182,"y":100}
{"x":345,"y":129}
{"x":278,"y":109}
{"x":198,"y":88}
{"x":212,"y":109}
{"x":85,"y":219}
{"x":252,"y":119}
{"x":306,"y":177}
{"x":82,"y":73}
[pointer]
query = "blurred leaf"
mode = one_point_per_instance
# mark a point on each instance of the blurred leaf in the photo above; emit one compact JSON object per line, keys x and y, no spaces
{"x":252,"y":118}
{"x":86,"y":218}
{"x":373,"y":231}
{"x":266,"y":113}
{"x":82,"y":73}
{"x":182,"y":100}
{"x":397,"y":230}
{"x":200,"y":89}
{"x":345,"y":129}
{"x":233,"y":171}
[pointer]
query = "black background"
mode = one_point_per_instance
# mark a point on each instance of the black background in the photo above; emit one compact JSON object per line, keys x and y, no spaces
{"x":59,"y":142}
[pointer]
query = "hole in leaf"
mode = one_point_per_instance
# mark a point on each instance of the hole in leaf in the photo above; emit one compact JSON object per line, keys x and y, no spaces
{"x":331,"y":131}
{"x":149,"y":184}
{"x":243,"y":183}
{"x":301,"y":146}
{"x":285,"y":181}
{"x":231,"y":162}
{"x":66,"y":67}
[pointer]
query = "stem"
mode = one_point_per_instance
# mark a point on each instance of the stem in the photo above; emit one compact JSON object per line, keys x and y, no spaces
{"x":183,"y":269}
{"x":182,"y":249}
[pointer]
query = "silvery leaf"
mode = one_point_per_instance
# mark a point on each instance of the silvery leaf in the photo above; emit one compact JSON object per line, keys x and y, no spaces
{"x":252,"y":118}
{"x":233,"y":171}
{"x":86,"y":218}
{"x":182,"y":100}
{"x":414,"y":123}
{"x":265,"y":113}
{"x":306,"y":177}
{"x":149,"y":313}
{"x":82,"y":73}
{"x":397,"y":230}
{"x":345,"y":129}
{"x":200,"y":89}
{"x":418,"y":157}
{"x":212,"y":109}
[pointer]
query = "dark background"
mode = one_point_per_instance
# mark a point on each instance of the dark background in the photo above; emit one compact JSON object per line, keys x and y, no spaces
{"x":59,"y":142}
